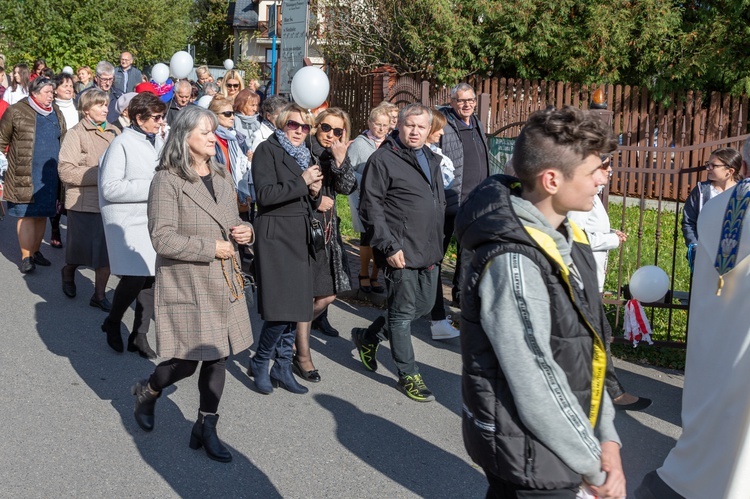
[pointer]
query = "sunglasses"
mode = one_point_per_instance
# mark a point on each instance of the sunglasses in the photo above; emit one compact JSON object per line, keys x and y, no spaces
{"x":156,"y":117}
{"x":227,"y":114}
{"x":233,"y":85}
{"x":293,"y":125}
{"x":337,"y":132}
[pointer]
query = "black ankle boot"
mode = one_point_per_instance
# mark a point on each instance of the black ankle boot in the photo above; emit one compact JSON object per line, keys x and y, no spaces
{"x":322,"y":325}
{"x":114,"y":337}
{"x":281,"y":372}
{"x":204,"y":435}
{"x":145,"y":400}
{"x":138,"y":342}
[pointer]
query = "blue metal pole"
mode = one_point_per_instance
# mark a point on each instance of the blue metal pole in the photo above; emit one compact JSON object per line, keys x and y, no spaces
{"x":272,"y":84}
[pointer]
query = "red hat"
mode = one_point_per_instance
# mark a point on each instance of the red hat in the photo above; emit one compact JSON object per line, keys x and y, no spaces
{"x":146,"y":86}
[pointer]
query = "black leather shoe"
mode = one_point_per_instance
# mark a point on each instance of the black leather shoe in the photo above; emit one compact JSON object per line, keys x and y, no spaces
{"x":27,"y":265}
{"x":114,"y":337}
{"x":313,"y":376}
{"x":204,"y":435}
{"x":321,"y":324}
{"x":639,"y":405}
{"x":40,"y":260}
{"x":145,"y":400}
{"x":103,"y":304}
{"x":68,"y":287}
{"x":137,"y":342}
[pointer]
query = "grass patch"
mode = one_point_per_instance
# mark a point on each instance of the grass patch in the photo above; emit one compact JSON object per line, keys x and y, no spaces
{"x":671,"y":358}
{"x":651,"y":237}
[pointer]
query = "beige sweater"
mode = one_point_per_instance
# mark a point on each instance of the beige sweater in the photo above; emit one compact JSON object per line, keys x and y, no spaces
{"x":78,"y":167}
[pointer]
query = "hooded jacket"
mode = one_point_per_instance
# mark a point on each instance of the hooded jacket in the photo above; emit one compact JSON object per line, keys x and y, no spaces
{"x":535,"y":408}
{"x":400,"y":208}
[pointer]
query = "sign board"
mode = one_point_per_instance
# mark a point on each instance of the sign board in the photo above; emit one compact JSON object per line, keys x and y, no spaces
{"x":501,"y":149}
{"x":294,"y":15}
{"x":272,"y":23}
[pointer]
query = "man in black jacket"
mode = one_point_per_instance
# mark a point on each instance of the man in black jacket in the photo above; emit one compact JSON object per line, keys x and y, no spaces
{"x":402,"y":207}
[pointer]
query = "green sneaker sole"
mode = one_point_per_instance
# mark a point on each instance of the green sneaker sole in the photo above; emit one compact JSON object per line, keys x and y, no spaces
{"x":366,"y":354}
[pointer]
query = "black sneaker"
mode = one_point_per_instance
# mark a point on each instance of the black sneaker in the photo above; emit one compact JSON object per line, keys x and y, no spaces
{"x":367,"y":351}
{"x":413,"y":387}
{"x":321,"y":324}
{"x":40,"y":260}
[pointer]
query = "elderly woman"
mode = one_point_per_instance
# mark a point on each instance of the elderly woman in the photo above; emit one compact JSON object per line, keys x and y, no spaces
{"x":85,"y":79}
{"x":203,"y":74}
{"x":246,"y":117}
{"x":358,"y":153}
{"x":724,"y":171}
{"x":125,"y":175}
{"x":331,"y":267}
{"x":19,"y":85}
{"x":231,"y":84}
{"x":231,"y":151}
{"x":84,"y":144}
{"x":200,"y":311}
{"x":287,"y":189}
{"x":32,"y":130}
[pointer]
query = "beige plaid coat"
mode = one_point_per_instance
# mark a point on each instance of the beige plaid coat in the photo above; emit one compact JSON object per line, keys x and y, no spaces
{"x":196,"y":316}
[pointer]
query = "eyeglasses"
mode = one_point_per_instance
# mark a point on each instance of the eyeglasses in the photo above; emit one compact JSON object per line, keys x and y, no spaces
{"x":606,"y":161}
{"x":233,"y":85}
{"x":227,"y":114}
{"x":293,"y":125}
{"x":101,"y":78}
{"x":461,"y":102}
{"x":156,"y":117}
{"x":337,"y":132}
{"x":712,"y":166}
{"x":376,"y":125}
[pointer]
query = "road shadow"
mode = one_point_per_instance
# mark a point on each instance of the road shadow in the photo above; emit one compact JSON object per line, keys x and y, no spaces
{"x":449,"y":476}
{"x":74,"y":333}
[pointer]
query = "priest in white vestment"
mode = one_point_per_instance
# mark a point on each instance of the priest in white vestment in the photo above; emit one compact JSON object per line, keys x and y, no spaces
{"x":712,"y":457}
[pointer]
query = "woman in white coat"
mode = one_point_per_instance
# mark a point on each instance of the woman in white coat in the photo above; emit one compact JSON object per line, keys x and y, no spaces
{"x":125,"y":175}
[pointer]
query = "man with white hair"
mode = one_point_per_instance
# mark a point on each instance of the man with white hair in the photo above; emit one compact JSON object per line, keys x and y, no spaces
{"x":180,"y":100}
{"x":127,"y":76}
{"x":104,"y":79}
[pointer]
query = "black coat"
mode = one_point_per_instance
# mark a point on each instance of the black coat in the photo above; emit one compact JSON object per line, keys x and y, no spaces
{"x":400,"y":209}
{"x":282,"y":260}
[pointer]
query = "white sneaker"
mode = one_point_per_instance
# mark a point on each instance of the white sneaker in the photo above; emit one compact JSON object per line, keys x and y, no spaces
{"x":443,"y":330}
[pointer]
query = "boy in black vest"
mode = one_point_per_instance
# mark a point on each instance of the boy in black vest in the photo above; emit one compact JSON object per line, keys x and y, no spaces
{"x":536,"y":416}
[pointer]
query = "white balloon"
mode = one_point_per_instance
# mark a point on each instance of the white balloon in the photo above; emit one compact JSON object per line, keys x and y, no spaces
{"x":160,"y":73}
{"x":205,"y":101}
{"x":181,"y":64}
{"x":310,"y":87}
{"x":228,"y":64}
{"x":649,"y":284}
{"x":67,"y":70}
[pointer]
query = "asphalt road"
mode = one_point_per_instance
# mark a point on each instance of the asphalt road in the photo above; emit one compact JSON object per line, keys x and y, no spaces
{"x":67,"y":428}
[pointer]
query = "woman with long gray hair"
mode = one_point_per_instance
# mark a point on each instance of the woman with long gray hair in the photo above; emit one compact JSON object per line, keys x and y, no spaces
{"x":200,"y":311}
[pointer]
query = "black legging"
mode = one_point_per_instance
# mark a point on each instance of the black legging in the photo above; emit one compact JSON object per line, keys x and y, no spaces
{"x":210,"y":381}
{"x":128,"y":290}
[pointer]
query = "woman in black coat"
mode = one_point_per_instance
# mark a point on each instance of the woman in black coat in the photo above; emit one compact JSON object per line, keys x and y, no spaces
{"x":287,"y":190}
{"x":330,"y":267}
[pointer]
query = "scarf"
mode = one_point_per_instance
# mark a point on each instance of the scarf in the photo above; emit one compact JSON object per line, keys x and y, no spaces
{"x":248,"y":123}
{"x":731,"y":231}
{"x":44,"y":111}
{"x":300,"y":153}
{"x":270,"y":125}
{"x":377,"y":141}
{"x":100,"y":126}
{"x":241,"y":172}
{"x":151,"y":137}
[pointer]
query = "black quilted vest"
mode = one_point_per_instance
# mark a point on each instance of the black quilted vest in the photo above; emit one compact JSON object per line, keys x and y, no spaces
{"x":494,"y":435}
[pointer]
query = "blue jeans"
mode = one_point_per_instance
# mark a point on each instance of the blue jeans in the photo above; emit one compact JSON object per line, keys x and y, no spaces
{"x":410,"y":295}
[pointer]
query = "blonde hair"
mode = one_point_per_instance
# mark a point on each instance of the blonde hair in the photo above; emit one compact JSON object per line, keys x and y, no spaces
{"x":231,"y":75}
{"x":290,"y":108}
{"x":336,"y":112}
{"x":438,"y":121}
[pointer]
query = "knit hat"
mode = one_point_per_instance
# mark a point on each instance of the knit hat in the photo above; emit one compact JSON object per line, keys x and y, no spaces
{"x":123,"y":102}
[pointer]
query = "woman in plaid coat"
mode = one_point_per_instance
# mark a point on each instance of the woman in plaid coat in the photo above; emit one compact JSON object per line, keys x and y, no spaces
{"x":200,"y":309}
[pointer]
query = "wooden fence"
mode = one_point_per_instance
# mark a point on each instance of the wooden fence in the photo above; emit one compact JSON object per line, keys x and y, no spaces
{"x":688,"y":119}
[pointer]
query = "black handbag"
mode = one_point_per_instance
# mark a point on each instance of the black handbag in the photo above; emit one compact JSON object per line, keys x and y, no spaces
{"x":317,"y":238}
